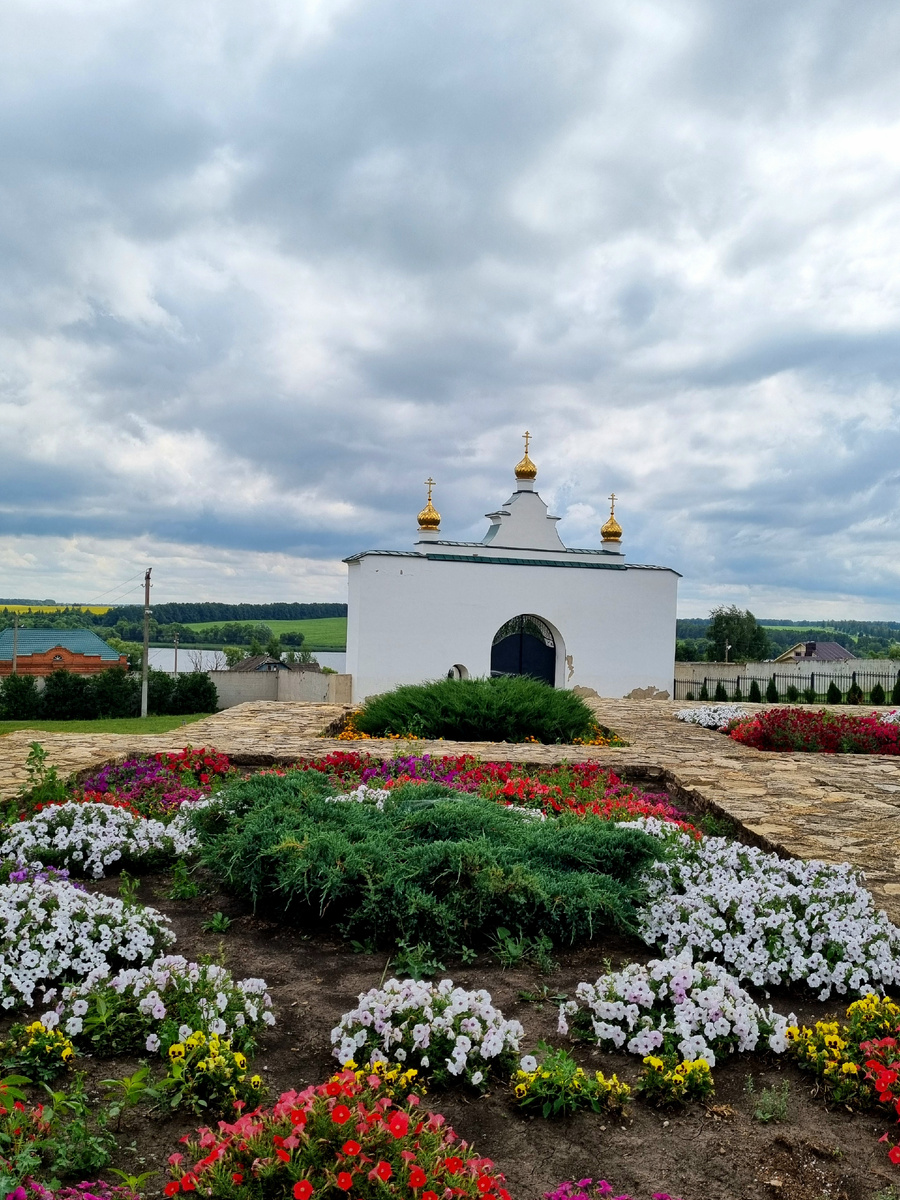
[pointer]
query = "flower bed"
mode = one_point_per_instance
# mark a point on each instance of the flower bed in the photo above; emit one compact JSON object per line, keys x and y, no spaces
{"x":557,"y":1086}
{"x":769,"y":920}
{"x":53,"y":932}
{"x":564,"y":787}
{"x":345,"y":1136}
{"x":150,"y":1008}
{"x":822,"y":732}
{"x":443,"y":1031}
{"x":669,"y":1005}
{"x":156,"y":785}
{"x":712,"y":716}
{"x":344,"y":830}
{"x":89,"y":836}
{"x":586,"y":1189}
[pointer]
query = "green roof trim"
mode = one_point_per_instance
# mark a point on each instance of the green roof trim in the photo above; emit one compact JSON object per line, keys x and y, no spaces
{"x":526,"y":562}
{"x":39,"y":641}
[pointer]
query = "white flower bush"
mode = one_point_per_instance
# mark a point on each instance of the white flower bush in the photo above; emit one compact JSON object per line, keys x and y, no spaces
{"x":149,"y":1007}
{"x":891,"y":718}
{"x":444,"y":1031}
{"x":673,"y":1004}
{"x":769,"y":920}
{"x":89,"y":838}
{"x":711,"y":716}
{"x":362,"y":795}
{"x":51,"y":931}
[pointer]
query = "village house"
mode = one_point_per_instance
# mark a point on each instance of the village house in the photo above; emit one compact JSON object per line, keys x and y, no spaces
{"x":43,"y":651}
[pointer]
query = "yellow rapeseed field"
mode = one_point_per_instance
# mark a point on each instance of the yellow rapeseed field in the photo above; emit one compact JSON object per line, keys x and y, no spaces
{"x":92,"y":608}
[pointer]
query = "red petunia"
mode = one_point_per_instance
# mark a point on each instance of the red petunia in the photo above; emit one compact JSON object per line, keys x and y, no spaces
{"x":340,"y":1114}
{"x":303,"y":1190}
{"x":333,"y":1088}
{"x":894,"y":1154}
{"x":453,"y":1165}
{"x":237,"y":1177}
{"x":351,"y":1147}
{"x":297,"y":1117}
{"x":417,"y":1177}
{"x":398,"y":1125}
{"x":344,"y":1181}
{"x":172,"y":1189}
{"x":384,"y":1170}
{"x":429,"y":1196}
{"x":284,"y":1155}
{"x":485,"y":1183}
{"x":188,"y":1184}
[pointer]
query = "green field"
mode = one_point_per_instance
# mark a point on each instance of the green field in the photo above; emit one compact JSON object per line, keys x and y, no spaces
{"x":320,"y":633}
{"x":123,"y":725}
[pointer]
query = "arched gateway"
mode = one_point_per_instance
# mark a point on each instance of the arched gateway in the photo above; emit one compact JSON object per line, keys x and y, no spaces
{"x":525,"y":646}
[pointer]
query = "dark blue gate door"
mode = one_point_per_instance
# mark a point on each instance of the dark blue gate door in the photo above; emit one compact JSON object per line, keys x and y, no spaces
{"x":524,"y":646}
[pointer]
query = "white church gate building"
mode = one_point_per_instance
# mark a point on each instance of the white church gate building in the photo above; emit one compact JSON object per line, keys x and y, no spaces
{"x":517,"y":602}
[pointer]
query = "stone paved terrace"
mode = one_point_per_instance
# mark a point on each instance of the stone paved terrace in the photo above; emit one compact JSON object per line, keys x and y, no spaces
{"x":835,"y":807}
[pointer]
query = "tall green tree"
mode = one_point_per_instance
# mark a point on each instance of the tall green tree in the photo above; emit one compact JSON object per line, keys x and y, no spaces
{"x":745,"y":638}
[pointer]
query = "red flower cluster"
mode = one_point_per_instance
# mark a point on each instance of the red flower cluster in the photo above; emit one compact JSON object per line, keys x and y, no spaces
{"x":84,"y":798}
{"x":585,"y":787}
{"x":817,"y":732}
{"x":203,"y":763}
{"x":883,"y":1072}
{"x":396,"y":1150}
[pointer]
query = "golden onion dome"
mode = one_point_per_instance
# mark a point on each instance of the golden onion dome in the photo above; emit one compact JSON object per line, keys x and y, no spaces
{"x":429,"y":517}
{"x":525,"y":468}
{"x":612,"y":530}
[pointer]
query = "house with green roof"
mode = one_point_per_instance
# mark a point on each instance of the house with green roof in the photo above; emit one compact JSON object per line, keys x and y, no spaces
{"x":43,"y":651}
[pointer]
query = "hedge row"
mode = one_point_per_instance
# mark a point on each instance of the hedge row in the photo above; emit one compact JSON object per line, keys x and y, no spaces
{"x":110,"y":693}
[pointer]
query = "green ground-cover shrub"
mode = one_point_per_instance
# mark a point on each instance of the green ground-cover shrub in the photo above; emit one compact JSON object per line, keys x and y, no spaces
{"x":505,"y":709}
{"x":432,"y":866}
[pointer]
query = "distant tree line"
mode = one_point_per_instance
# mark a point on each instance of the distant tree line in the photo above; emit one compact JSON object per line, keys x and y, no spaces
{"x":701,"y":639}
{"x":212,"y":611}
{"x":242,"y":624}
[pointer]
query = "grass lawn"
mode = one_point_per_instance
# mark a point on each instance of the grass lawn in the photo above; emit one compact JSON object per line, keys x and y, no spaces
{"x":119,"y":725}
{"x":320,"y":633}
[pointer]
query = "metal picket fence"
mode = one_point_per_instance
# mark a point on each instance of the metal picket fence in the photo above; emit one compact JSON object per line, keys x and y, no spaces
{"x":813,"y":687}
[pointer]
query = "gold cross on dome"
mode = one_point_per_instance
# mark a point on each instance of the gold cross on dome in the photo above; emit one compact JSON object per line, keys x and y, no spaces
{"x":527,"y":436}
{"x":429,"y":483}
{"x":612,"y":500}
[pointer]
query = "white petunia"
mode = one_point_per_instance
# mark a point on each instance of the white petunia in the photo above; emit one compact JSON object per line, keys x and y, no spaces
{"x":400,"y":1020}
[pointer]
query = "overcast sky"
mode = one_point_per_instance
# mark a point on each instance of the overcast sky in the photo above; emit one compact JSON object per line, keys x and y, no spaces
{"x":265,"y":267}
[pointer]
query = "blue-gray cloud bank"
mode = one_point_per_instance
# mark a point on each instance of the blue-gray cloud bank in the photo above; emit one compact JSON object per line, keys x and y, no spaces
{"x":265,"y":268}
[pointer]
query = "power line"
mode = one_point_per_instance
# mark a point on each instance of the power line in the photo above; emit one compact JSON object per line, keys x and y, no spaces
{"x":116,"y":587}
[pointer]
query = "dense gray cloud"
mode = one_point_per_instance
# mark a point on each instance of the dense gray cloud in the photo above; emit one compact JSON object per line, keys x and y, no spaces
{"x":264,"y":268}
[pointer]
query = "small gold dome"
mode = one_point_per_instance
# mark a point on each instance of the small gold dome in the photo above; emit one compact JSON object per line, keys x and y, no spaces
{"x":429,"y":517}
{"x":525,"y":469}
{"x":612,"y":530}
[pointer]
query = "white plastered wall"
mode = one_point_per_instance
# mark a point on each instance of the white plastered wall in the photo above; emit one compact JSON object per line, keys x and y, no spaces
{"x":413,"y":618}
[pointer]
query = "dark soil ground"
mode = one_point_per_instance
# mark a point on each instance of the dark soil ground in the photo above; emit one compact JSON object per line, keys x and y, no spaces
{"x":718,"y":1152}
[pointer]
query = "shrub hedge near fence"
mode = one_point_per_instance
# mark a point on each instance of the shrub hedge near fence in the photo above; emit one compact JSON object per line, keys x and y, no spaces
{"x":108,"y":694}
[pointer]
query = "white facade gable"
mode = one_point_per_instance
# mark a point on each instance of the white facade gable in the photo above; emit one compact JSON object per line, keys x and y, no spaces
{"x":445,"y":607}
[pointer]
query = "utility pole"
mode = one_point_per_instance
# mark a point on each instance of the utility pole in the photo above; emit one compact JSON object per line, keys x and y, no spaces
{"x":145,"y":661}
{"x":15,"y":642}
{"x":175,"y":639}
